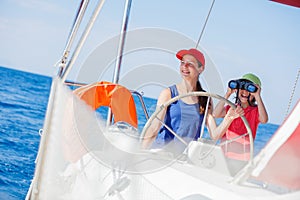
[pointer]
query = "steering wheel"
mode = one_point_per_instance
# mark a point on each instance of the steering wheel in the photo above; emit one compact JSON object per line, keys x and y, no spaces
{"x":166,"y":104}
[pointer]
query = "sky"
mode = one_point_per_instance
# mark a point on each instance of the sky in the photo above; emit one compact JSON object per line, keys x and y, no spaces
{"x":241,"y":36}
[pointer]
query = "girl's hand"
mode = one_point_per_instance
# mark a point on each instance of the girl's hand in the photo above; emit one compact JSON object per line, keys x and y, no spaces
{"x":229,"y":92}
{"x":256,"y":94}
{"x":234,"y":113}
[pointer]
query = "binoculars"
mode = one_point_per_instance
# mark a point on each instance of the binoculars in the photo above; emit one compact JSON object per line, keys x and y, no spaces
{"x":242,"y":84}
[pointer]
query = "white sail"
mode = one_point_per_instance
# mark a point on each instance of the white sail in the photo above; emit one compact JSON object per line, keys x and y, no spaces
{"x":77,"y":161}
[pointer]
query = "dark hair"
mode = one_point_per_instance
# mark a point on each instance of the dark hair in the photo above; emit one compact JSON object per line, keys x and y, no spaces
{"x":199,"y":64}
{"x":201,"y":99}
{"x":252,"y":102}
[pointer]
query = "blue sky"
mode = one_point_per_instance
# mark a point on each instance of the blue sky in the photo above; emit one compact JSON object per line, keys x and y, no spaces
{"x":241,"y":36}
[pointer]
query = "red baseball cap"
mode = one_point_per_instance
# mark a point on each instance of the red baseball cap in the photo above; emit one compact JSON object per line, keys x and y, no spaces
{"x":194,"y":52}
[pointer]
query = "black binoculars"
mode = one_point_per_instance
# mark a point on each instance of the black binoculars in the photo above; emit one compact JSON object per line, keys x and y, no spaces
{"x":242,"y":84}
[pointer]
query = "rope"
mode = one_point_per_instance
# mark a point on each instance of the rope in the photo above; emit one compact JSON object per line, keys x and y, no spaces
{"x":75,"y":27}
{"x":212,"y":4}
{"x":292,"y":94}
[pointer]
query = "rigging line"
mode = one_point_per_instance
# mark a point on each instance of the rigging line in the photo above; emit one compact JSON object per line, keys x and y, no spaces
{"x":78,"y":11}
{"x":292,"y":94}
{"x":206,"y":20}
{"x":77,"y":21}
{"x":82,"y":39}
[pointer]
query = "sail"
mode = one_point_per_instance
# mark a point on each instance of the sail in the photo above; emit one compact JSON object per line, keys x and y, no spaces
{"x":76,"y":160}
{"x":295,"y":3}
{"x":279,"y":162}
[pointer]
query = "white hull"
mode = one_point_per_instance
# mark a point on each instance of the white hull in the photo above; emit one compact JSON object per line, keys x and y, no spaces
{"x":84,"y":161}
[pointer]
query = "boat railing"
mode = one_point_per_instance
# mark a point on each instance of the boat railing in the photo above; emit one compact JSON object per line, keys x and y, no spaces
{"x":141,"y":99}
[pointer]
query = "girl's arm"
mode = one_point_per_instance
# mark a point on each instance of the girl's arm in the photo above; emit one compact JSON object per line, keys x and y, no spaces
{"x":263,"y":115}
{"x":219,"y":111}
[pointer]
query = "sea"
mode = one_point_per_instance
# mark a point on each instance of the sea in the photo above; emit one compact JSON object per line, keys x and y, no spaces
{"x":23,"y":103}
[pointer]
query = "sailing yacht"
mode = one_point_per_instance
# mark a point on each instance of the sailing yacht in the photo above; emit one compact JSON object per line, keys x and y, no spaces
{"x":83,"y":156}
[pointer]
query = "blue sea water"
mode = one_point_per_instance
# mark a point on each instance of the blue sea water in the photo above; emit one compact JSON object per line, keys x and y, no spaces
{"x":23,"y":102}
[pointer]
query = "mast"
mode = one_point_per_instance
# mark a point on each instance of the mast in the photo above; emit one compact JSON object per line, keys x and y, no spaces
{"x":122,"y":41}
{"x":120,"y":51}
{"x":198,"y":42}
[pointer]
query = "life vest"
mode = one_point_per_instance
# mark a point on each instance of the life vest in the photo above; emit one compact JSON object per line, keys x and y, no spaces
{"x":239,"y":149}
{"x":115,"y":96}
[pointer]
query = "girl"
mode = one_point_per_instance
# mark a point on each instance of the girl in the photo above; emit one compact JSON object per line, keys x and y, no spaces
{"x":250,"y":104}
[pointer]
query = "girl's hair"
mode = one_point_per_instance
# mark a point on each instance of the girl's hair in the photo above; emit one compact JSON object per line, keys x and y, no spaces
{"x":252,"y":102}
{"x":201,"y":99}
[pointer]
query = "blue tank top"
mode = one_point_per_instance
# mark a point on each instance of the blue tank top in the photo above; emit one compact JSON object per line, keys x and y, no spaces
{"x":184,"y":119}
